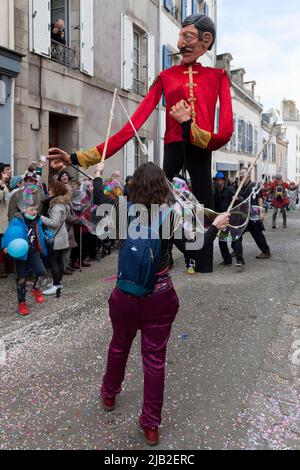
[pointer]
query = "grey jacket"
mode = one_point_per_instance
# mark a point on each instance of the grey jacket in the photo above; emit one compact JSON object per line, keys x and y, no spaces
{"x":3,"y":208}
{"x":58,"y":213}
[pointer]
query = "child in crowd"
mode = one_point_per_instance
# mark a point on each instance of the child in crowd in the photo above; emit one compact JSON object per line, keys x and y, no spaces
{"x":27,"y":225}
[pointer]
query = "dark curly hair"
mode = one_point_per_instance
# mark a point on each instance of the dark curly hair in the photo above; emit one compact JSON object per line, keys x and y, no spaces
{"x":58,"y":188}
{"x":149,"y":186}
{"x":204,"y":24}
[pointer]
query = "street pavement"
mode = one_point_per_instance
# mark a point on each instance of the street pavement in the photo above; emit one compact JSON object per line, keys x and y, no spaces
{"x":233,"y":368}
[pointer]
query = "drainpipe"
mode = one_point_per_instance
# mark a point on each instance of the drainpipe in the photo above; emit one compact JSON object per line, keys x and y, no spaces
{"x":37,"y":129}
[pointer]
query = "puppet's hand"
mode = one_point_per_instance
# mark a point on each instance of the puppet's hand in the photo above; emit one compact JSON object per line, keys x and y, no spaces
{"x":222,"y":221}
{"x":181,"y":112}
{"x":59,"y":159}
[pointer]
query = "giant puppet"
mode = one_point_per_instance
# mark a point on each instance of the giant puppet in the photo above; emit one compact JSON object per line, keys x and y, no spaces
{"x":280,"y":198}
{"x":189,"y":141}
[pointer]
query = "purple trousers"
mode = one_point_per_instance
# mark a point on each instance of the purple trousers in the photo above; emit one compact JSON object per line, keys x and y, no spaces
{"x":153,"y":315}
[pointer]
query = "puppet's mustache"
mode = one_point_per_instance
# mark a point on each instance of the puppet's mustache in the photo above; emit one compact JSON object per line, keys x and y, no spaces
{"x":182,"y":51}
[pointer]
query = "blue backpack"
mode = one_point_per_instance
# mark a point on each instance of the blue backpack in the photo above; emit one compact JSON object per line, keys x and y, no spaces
{"x":139,"y":258}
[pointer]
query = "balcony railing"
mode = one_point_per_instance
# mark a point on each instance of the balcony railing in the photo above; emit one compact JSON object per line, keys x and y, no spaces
{"x":64,"y":55}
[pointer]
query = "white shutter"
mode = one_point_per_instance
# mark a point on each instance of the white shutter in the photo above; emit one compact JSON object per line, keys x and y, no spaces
{"x":150,"y":151}
{"x":129,"y":163}
{"x":151,"y":59}
{"x":87,"y":36}
{"x":40,"y":27}
{"x":127,"y":53}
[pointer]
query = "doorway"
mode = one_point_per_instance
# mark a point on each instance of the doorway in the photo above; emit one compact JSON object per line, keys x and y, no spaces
{"x":63,"y":133}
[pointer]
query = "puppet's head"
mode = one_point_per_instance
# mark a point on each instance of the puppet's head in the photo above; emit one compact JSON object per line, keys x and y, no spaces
{"x":197,"y":36}
{"x":278,"y":178}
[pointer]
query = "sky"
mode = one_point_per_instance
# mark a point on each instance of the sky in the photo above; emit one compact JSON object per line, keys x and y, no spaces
{"x":263,"y":36}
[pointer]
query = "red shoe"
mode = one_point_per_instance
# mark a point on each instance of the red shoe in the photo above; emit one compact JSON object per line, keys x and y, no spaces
{"x":151,"y":435}
{"x":75,"y":265}
{"x":39,"y":298}
{"x":23,"y":309}
{"x":107,"y":403}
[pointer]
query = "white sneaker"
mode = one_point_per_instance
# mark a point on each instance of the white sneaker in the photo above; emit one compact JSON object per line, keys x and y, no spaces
{"x":51,"y":285}
{"x":52,"y":290}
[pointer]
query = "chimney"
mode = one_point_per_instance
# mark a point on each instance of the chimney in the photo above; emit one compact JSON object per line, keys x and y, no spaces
{"x":250,"y":86}
{"x":289,"y":110}
{"x":223,"y":62}
{"x":237,"y":76}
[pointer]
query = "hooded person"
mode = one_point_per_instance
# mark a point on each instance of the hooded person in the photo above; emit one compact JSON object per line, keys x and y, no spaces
{"x":27,"y":226}
{"x":30,"y":186}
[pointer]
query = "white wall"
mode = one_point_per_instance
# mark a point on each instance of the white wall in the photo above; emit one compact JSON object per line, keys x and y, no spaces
{"x":264,"y":167}
{"x":293,"y":130}
{"x":232,"y":156}
{"x":7,"y":24}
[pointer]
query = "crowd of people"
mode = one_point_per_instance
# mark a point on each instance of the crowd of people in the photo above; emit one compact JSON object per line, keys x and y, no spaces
{"x":57,"y":222}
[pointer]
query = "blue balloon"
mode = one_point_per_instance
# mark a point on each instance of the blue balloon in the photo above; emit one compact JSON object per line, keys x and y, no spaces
{"x":18,"y":248}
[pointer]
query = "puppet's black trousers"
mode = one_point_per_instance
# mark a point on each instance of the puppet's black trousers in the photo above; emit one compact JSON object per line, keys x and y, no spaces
{"x":197,"y":162}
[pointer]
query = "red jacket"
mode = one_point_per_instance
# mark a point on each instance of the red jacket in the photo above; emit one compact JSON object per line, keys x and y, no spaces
{"x":209,"y":84}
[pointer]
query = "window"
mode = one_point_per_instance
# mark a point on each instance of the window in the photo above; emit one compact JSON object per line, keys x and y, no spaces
{"x":42,"y":16}
{"x":241,"y":135}
{"x":273,"y":153}
{"x":138,"y":57}
{"x":139,"y":157}
{"x":171,"y":8}
{"x":136,"y":62}
{"x":184,"y":6}
{"x":59,"y":10}
{"x":136,"y":154}
{"x":168,"y":60}
{"x":255,"y":141}
{"x":250,"y":139}
{"x":195,"y":7}
{"x":233,"y":138}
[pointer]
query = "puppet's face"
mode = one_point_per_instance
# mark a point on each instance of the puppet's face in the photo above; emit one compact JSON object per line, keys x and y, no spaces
{"x":190,"y":46}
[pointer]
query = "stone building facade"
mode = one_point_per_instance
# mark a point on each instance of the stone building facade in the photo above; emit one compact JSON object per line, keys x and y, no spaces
{"x":291,"y":118}
{"x":10,"y":67}
{"x":245,"y":142}
{"x":64,"y":93}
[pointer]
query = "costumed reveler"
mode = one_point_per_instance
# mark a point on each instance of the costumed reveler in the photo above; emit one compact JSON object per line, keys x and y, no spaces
{"x":201,"y":87}
{"x":280,"y":198}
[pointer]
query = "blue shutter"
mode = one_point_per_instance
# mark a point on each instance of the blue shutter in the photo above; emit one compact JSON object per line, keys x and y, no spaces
{"x":206,"y":9}
{"x":246,"y":138}
{"x":183,"y":10}
{"x":195,"y":7}
{"x":232,"y":143}
{"x":168,"y":5}
{"x":167,"y":59}
{"x":167,"y":63}
{"x":240,"y":136}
